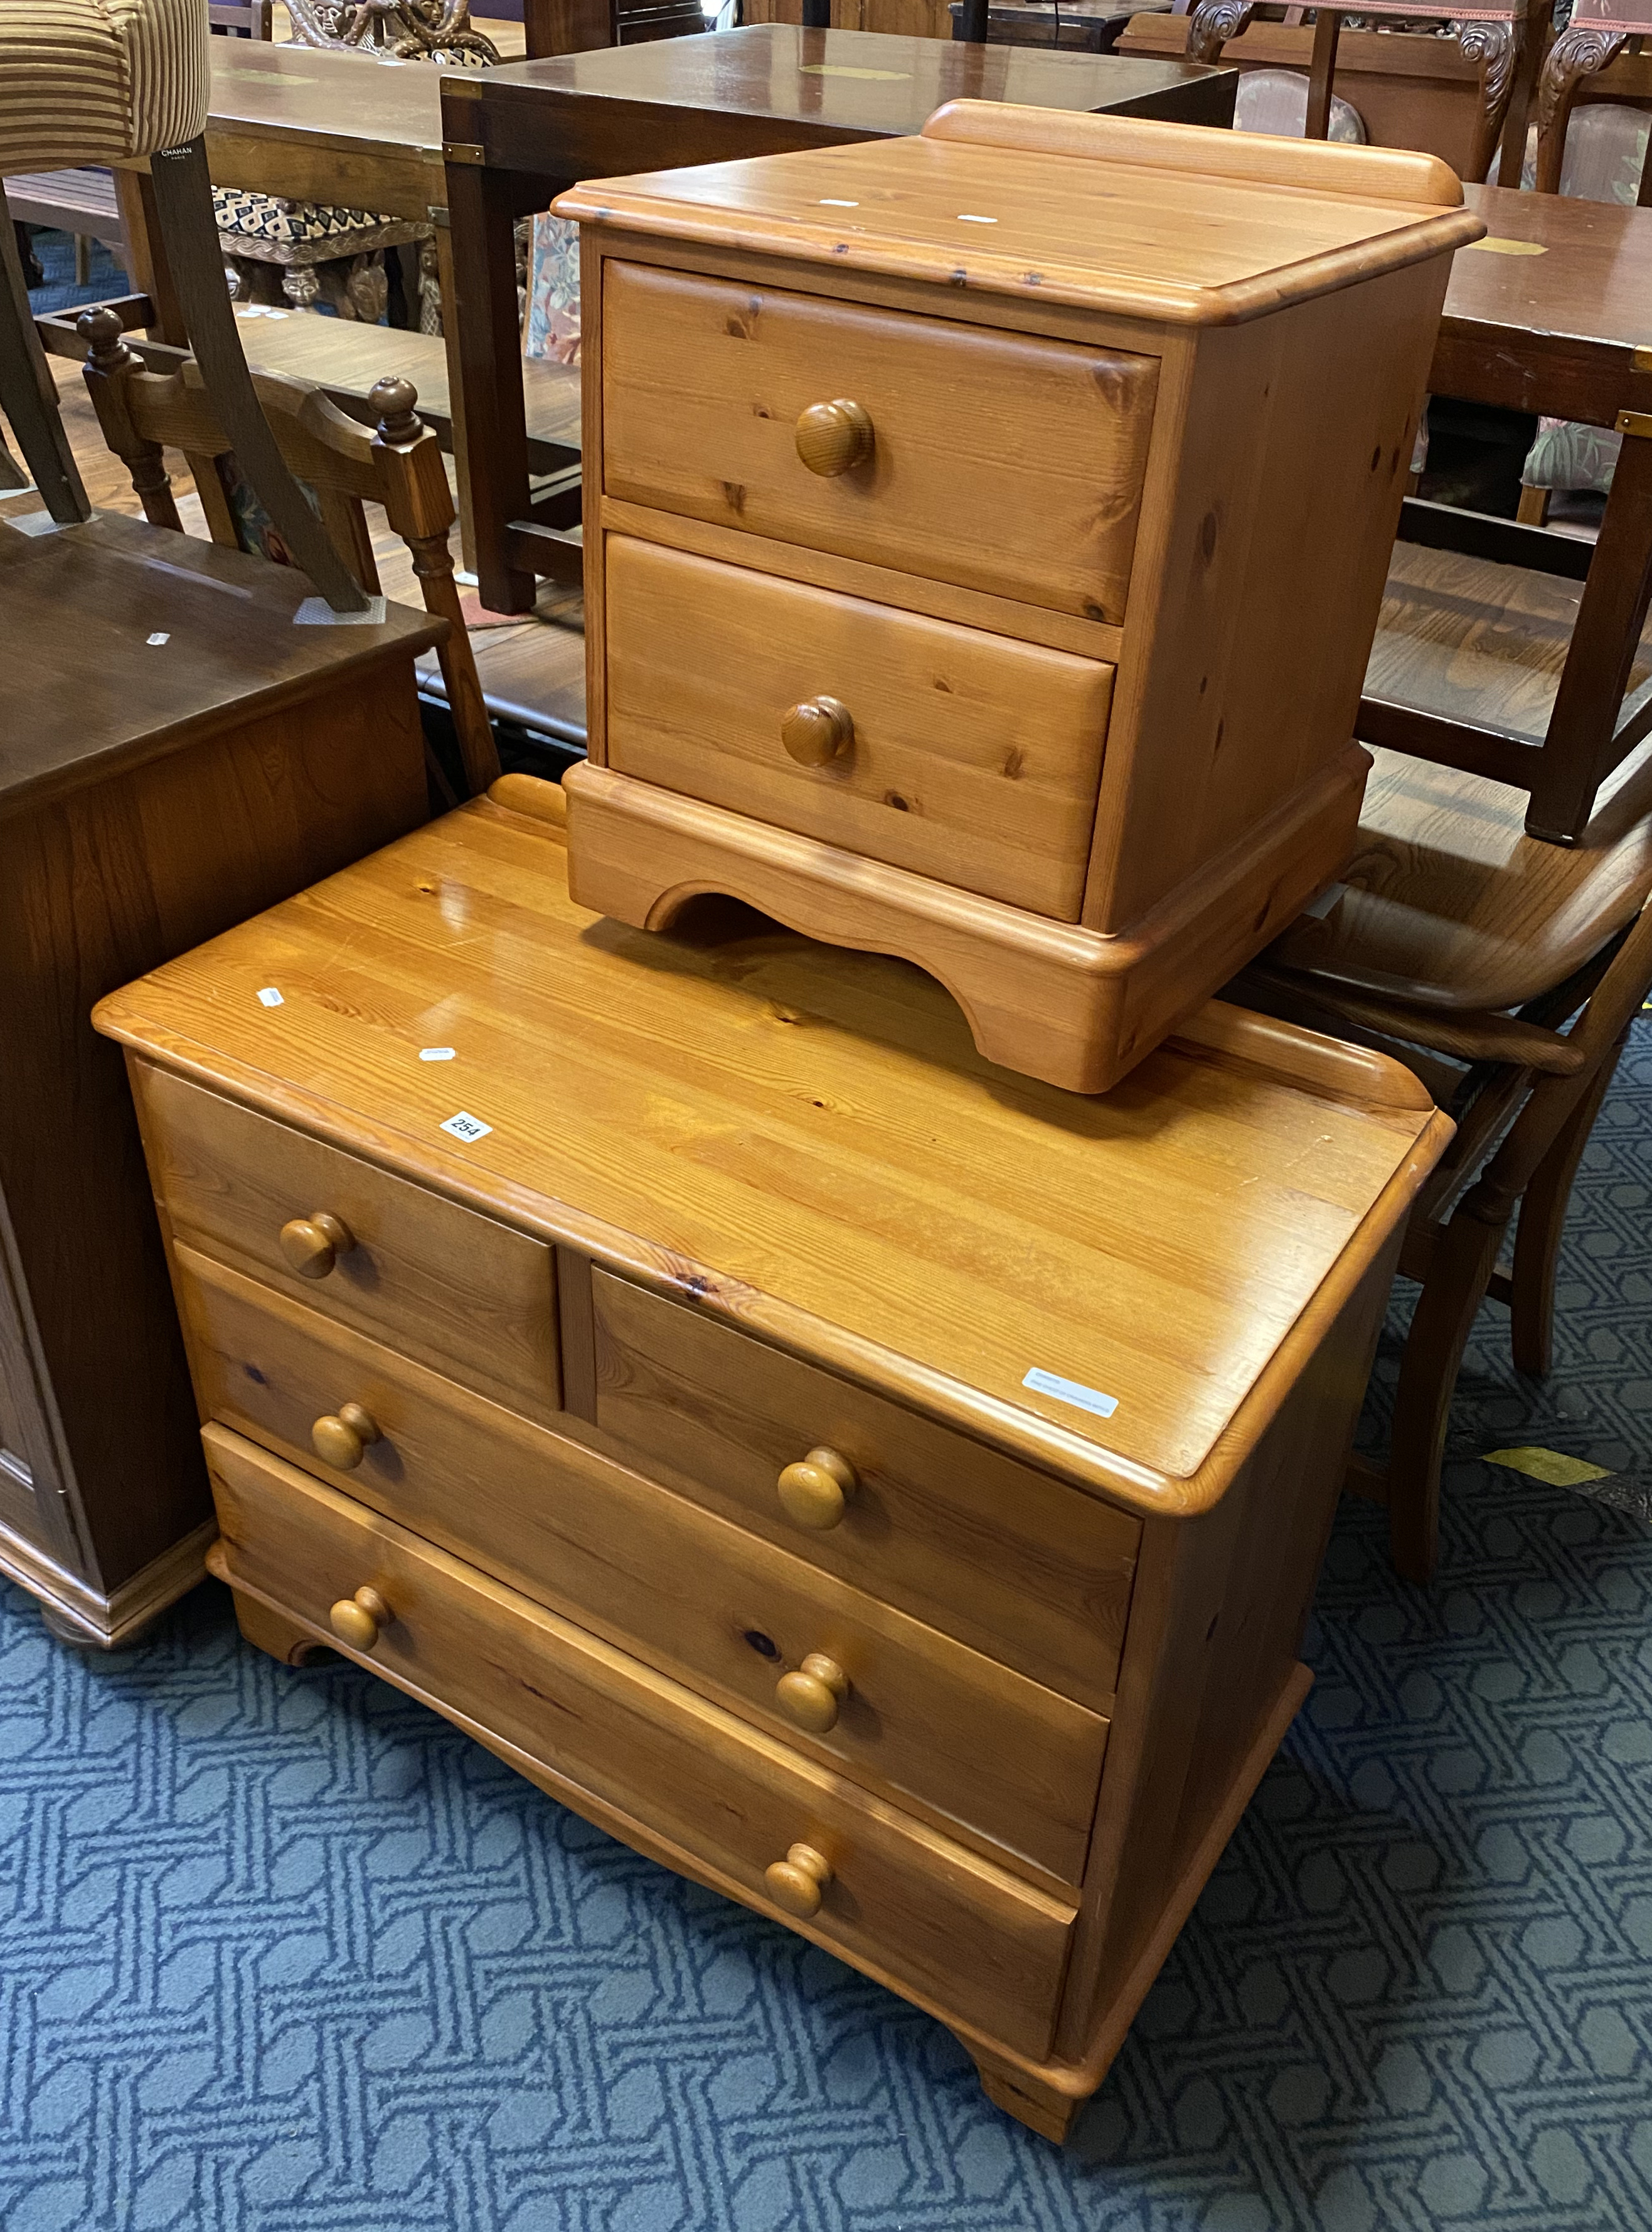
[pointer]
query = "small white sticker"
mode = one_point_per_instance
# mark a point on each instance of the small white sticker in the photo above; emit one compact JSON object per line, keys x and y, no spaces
{"x":466,"y":1127}
{"x":158,"y":637}
{"x":269,"y":997}
{"x":831,"y":201}
{"x":436,"y":1054}
{"x":1071,"y":1390}
{"x":966,"y":217}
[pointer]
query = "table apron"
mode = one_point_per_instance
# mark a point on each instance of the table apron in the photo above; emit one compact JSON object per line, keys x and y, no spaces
{"x":407,"y":184}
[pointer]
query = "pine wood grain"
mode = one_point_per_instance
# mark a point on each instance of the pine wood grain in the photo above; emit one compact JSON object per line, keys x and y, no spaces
{"x":815,"y":1095}
{"x":1010,"y":1561}
{"x":461,"y":1292}
{"x":933,"y":1726}
{"x":904,"y":1901}
{"x":972,"y":758}
{"x":704,"y":383}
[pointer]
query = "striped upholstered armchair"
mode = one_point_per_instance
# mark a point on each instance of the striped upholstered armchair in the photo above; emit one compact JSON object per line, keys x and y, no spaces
{"x":101,"y":82}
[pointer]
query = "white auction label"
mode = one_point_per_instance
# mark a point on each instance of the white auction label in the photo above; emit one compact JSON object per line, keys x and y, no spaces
{"x":467,"y":1127}
{"x":269,"y":997}
{"x":1071,"y":1390}
{"x":436,"y":1054}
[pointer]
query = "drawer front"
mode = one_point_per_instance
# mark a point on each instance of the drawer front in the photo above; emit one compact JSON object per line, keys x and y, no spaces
{"x":451,"y":1289}
{"x":999,"y":461}
{"x":964,"y":756}
{"x":903,"y":1901}
{"x":923,"y":1718}
{"x":1035,"y":1573}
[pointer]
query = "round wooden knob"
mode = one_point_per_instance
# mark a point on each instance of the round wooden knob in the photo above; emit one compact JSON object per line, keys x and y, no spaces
{"x":314,"y":1244}
{"x":811,"y":1696}
{"x":834,"y":438}
{"x":341,"y":1439}
{"x":817,"y":731}
{"x":797,"y":1882}
{"x":356,"y":1620}
{"x":815,"y":1491}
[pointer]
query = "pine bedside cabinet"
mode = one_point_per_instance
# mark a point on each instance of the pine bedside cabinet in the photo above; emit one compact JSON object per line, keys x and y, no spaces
{"x":984,"y":537}
{"x":884,"y":1488}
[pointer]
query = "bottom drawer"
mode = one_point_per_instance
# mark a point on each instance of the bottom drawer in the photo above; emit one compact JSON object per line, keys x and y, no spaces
{"x":902,"y":1901}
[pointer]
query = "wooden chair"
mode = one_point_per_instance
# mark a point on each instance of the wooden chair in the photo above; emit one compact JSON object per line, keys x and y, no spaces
{"x":1463,"y":945}
{"x":398,"y":464}
{"x":1501,"y":37}
{"x":1597,"y":33}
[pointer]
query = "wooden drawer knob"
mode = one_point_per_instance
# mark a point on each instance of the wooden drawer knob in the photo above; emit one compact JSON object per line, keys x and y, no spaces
{"x":815,"y":1491}
{"x":341,"y":1439}
{"x":314,"y":1244}
{"x":835,"y":438}
{"x":356,"y":1620}
{"x":811,"y":1696}
{"x":797,"y":1882}
{"x":817,"y":731}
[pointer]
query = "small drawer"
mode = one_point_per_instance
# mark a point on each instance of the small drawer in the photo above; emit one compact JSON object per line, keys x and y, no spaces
{"x":920,"y":1716}
{"x":998,"y":461}
{"x":962,"y":756}
{"x":1035,"y":1574}
{"x":455,"y":1290}
{"x":901,"y":1901}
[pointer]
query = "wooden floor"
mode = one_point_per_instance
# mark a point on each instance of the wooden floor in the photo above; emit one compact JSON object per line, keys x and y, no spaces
{"x":536,"y":663}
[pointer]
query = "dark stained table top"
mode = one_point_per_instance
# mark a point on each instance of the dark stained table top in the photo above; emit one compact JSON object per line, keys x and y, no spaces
{"x":773,"y":88}
{"x":89,"y":693}
{"x":1550,"y":311}
{"x":344,"y":99}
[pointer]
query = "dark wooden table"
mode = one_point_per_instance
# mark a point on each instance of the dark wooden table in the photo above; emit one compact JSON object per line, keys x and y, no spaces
{"x":179,"y":755}
{"x":1551,"y":313}
{"x":1087,"y":27}
{"x":516,"y":137}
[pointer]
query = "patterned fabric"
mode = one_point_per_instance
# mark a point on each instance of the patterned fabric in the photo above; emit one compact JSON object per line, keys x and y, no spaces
{"x":88,"y":81}
{"x":284,"y":1952}
{"x":262,"y":216}
{"x":1567,"y":454}
{"x":551,"y":328}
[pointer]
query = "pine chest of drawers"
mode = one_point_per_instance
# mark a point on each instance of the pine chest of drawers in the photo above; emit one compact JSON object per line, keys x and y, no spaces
{"x":886,"y":1490}
{"x":984,"y":537}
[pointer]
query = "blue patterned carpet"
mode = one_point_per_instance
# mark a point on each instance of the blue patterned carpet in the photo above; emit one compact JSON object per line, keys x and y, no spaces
{"x":280,"y":1952}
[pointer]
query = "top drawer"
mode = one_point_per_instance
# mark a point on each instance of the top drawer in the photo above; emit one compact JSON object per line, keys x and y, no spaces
{"x":704,"y":383}
{"x":471,"y":1298}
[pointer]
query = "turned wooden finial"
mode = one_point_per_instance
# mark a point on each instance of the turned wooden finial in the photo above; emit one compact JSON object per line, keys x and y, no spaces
{"x":395,"y":400}
{"x":105,"y":336}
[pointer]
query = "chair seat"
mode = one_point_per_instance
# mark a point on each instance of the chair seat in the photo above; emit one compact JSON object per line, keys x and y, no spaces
{"x":1448,"y":906}
{"x":1469,"y":640}
{"x":278,"y":232}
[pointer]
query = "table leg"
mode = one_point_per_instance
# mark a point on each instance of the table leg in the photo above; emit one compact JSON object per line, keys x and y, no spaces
{"x":1579,"y":51}
{"x":455,"y":357}
{"x":1579,"y":750}
{"x":482,"y":209}
{"x":1322,"y":71}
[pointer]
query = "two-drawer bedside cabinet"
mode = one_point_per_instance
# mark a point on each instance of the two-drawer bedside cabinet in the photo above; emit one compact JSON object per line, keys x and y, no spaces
{"x":984,"y":537}
{"x":884,"y":1488}
{"x":177,"y":753}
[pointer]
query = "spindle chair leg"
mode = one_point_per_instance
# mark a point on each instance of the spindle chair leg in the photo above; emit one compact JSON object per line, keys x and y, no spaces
{"x":1463,"y":1259}
{"x":1542,"y":1223}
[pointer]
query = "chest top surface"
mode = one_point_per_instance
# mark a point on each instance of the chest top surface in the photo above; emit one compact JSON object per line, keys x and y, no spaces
{"x":122,"y":640}
{"x":1169,"y":221}
{"x":803,"y":1139}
